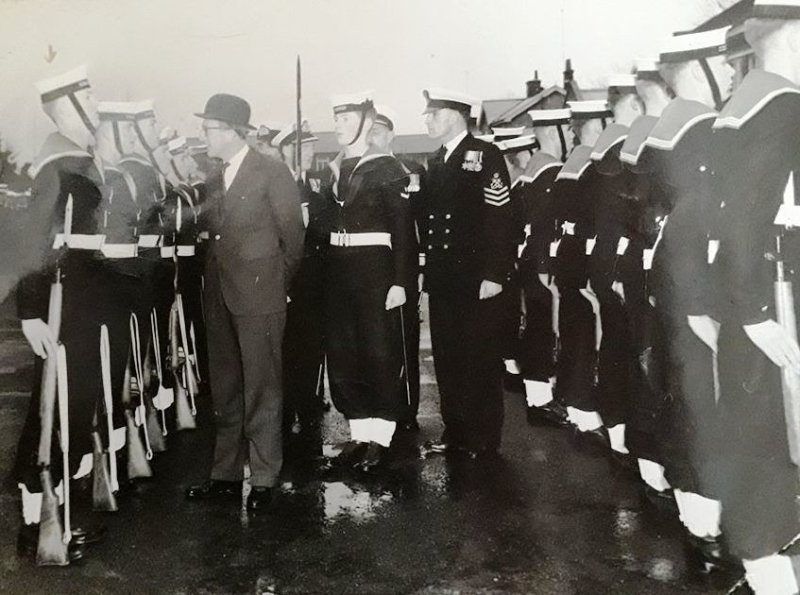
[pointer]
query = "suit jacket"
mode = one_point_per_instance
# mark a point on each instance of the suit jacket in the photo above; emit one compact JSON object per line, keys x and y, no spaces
{"x":256,"y":236}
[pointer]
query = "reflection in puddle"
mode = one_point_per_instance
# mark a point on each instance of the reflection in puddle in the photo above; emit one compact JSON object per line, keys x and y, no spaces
{"x":341,"y":500}
{"x":626,"y":523}
{"x":662,"y":570}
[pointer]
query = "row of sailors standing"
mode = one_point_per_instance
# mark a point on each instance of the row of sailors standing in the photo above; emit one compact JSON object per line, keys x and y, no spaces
{"x":113,"y":223}
{"x":648,"y":269}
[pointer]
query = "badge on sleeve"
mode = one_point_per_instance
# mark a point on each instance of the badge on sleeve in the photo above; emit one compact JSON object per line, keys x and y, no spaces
{"x":473,"y":161}
{"x":496,"y":193}
{"x":315,"y":184}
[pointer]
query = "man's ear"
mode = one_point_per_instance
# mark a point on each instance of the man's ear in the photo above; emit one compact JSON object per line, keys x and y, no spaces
{"x":696,"y":71}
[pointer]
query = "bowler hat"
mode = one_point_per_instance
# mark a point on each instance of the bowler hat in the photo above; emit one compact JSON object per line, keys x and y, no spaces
{"x":230,"y":109}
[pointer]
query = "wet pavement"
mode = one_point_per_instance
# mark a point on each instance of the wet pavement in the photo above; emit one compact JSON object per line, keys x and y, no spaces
{"x":544,"y":518}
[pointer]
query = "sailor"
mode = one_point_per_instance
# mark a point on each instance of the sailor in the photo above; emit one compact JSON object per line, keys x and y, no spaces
{"x":382,"y":136}
{"x":755,"y":182}
{"x":640,"y":190}
{"x":539,"y":340}
{"x":579,"y":324}
{"x":262,"y":139}
{"x":614,"y":220}
{"x":679,"y":287}
{"x":517,"y":149}
{"x":369,"y":272}
{"x":63,"y":241}
{"x":303,"y":355}
{"x":468,"y":234}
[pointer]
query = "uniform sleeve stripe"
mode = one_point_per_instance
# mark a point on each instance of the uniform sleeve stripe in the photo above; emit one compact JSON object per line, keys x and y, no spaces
{"x":496,"y":192}
{"x":496,"y":197}
{"x":497,"y":203}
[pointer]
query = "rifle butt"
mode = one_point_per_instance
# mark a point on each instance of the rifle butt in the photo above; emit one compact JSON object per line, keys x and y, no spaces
{"x":138,"y":466}
{"x":51,"y":549}
{"x":183,"y":413}
{"x":790,"y":381}
{"x":157,"y":442}
{"x":103,"y":499}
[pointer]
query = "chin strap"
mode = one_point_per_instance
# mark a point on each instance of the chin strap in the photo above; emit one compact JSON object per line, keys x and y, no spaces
{"x":712,"y":83}
{"x":563,"y":140}
{"x":82,"y":113}
{"x":366,"y":106}
{"x":176,"y":171}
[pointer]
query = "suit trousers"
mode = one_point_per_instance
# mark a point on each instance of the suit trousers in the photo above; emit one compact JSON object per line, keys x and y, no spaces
{"x":467,"y":355}
{"x":245,"y":362}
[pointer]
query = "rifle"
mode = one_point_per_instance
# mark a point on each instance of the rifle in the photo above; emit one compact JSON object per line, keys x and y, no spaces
{"x":404,"y":372}
{"x":191,"y":381}
{"x":104,"y":480}
{"x":183,"y":413}
{"x":63,"y":422}
{"x":138,"y":465}
{"x":298,"y":150}
{"x":790,"y":381}
{"x":50,"y":550}
{"x":164,"y":396}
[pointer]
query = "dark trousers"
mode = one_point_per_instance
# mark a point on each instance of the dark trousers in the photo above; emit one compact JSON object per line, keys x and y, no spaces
{"x":688,"y":420}
{"x":538,"y":338}
{"x":91,"y":297}
{"x":363,"y":340}
{"x":246,"y":390}
{"x":467,"y":355}
{"x":411,"y":320}
{"x":575,"y":381}
{"x":615,"y":362}
{"x":757,"y":482}
{"x":302,"y":347}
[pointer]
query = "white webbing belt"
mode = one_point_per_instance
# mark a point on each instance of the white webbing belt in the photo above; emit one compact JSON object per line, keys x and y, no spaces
{"x":348,"y":240}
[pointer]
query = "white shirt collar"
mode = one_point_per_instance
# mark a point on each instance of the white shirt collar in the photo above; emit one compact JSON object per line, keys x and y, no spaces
{"x":234,"y":163}
{"x":451,"y":145}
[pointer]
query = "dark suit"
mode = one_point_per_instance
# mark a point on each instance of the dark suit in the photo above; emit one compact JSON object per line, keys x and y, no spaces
{"x":467,"y":231}
{"x":256,"y":243}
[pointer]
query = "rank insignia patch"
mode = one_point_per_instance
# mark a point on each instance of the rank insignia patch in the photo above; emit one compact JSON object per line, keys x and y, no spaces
{"x":473,"y":161}
{"x":496,"y":194}
{"x":315,"y":185}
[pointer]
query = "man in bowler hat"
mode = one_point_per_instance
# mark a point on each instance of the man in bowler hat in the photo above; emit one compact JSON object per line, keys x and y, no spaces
{"x":256,"y":244}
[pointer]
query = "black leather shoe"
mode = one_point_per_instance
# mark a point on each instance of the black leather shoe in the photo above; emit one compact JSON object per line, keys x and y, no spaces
{"x":373,"y":457}
{"x":552,"y":414}
{"x":436,"y":447}
{"x":713,"y":553}
{"x":663,"y":500}
{"x":89,"y":535}
{"x":259,"y":499}
{"x":351,"y":454}
{"x":594,"y":442}
{"x":215,"y":489}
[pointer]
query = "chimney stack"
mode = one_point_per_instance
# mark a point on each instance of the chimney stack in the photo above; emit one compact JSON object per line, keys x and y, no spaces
{"x":533,"y":87}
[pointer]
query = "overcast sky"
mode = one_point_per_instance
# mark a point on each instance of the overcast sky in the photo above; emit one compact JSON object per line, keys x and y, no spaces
{"x":178,"y":52}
